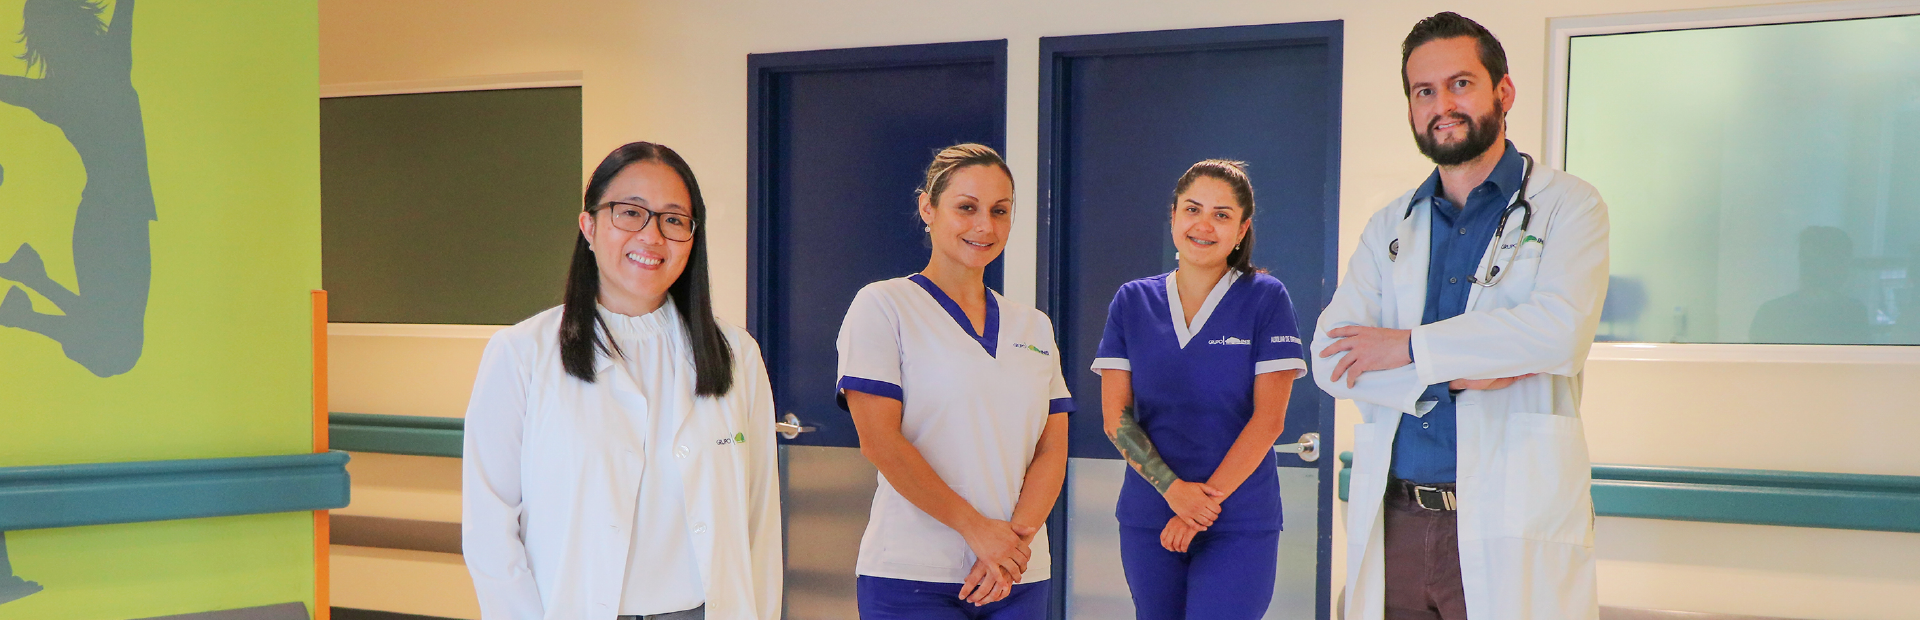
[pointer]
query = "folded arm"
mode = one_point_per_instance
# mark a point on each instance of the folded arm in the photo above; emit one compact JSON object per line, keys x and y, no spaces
{"x":1358,"y":302}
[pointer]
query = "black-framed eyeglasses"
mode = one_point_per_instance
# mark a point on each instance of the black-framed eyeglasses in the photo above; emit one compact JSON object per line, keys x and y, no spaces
{"x":634,"y":218}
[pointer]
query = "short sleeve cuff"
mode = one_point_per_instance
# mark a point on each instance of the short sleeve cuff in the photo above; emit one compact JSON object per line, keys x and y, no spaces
{"x":1291,"y":363}
{"x":869,"y":386}
{"x":1112,"y":363}
{"x":1061,"y":405}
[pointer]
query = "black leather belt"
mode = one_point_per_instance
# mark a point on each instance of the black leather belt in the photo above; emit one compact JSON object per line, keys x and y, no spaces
{"x":1434,"y":497}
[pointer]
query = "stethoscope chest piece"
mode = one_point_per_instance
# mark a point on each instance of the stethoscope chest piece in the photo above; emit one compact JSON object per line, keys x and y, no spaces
{"x":1519,"y":203}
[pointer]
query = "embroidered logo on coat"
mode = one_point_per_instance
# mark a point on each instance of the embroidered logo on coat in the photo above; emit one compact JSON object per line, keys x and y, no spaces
{"x":1230,"y":340}
{"x":736,"y":438}
{"x":1280,"y":339}
{"x":1031,"y":348}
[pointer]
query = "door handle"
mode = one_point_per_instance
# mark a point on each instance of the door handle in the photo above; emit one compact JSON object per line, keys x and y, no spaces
{"x":1308,"y":448}
{"x":790,"y":427}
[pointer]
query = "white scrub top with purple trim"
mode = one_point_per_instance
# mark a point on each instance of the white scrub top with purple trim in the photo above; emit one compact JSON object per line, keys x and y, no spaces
{"x":974,"y":404}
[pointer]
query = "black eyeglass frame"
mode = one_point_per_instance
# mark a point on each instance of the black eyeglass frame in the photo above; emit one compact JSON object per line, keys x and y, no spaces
{"x":693,"y":225}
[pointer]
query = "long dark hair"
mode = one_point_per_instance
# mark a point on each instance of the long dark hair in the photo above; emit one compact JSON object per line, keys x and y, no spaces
{"x":584,"y":334}
{"x":1234,"y":174}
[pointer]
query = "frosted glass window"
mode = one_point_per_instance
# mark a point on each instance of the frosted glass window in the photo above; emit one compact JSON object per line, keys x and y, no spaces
{"x":1764,"y":181}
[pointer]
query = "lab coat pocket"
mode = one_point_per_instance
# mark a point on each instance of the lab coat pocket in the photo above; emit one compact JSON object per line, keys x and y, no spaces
{"x":1546,"y":479}
{"x":918,"y":539}
{"x":1515,"y":286}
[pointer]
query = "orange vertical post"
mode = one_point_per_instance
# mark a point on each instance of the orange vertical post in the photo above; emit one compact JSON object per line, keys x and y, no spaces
{"x":322,"y":534}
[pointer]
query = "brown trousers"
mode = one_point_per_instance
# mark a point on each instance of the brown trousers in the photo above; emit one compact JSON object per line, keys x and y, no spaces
{"x":1423,"y":560}
{"x":696,"y":613}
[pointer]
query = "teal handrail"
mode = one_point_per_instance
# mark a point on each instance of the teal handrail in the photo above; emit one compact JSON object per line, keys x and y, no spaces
{"x":1751,"y":496}
{"x":101,"y":493}
{"x":396,"y":434}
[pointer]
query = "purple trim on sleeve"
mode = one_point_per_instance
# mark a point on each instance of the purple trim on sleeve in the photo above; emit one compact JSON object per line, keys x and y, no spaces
{"x":869,"y":386}
{"x":1061,"y":405}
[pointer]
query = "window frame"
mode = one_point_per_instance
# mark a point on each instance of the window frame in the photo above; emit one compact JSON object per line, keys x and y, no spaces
{"x":1560,"y":34}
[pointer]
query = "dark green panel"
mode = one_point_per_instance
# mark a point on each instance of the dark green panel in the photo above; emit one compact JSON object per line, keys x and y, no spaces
{"x":100,"y":493}
{"x":452,"y":208}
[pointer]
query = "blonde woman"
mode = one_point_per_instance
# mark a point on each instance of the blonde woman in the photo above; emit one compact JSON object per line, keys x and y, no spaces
{"x":957,"y":395}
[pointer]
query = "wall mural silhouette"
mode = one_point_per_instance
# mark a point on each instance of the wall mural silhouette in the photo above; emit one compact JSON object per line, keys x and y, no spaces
{"x":85,"y":88}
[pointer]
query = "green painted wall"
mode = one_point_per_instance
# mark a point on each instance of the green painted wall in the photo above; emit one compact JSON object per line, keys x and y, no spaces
{"x":227,"y":95}
{"x":142,"y":570}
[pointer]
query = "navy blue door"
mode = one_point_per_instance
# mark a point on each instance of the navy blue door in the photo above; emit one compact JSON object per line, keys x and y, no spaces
{"x":838,"y":141}
{"x":1122,"y":116}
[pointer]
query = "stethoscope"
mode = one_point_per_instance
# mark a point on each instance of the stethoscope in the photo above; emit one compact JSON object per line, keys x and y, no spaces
{"x":1494,"y":272}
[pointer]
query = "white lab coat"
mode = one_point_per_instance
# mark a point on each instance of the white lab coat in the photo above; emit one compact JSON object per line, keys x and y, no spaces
{"x":1526,"y":516}
{"x":552,"y":470}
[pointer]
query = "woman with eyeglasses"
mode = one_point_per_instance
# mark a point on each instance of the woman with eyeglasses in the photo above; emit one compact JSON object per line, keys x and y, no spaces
{"x":619,"y":457}
{"x":959,"y":401}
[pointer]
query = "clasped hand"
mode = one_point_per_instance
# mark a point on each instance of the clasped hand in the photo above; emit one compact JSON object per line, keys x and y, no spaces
{"x":1195,"y":507}
{"x":1002,"y":549}
{"x":1177,"y":536}
{"x":1195,"y":503}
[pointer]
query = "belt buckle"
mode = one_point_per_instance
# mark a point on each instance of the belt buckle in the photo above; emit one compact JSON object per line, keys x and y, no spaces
{"x":1445,"y":499}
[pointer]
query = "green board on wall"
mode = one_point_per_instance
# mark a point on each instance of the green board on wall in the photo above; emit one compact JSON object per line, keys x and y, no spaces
{"x":160,"y":223}
{"x":450,"y":208}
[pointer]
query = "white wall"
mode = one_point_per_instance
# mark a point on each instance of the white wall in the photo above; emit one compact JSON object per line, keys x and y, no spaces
{"x":675,"y":73}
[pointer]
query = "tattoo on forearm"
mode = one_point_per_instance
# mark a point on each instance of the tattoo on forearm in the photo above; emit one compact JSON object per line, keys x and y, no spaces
{"x":1138,"y":451}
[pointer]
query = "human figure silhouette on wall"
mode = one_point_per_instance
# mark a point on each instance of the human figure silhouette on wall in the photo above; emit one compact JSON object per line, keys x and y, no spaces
{"x":1819,"y":311}
{"x":12,"y":588}
{"x":86,"y":89}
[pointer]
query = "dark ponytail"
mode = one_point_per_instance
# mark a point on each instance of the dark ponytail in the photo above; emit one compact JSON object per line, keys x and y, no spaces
{"x":583,"y":334}
{"x":1234,"y":174}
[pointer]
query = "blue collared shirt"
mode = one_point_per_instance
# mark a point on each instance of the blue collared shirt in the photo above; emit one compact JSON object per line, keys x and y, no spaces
{"x":1425,"y":449}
